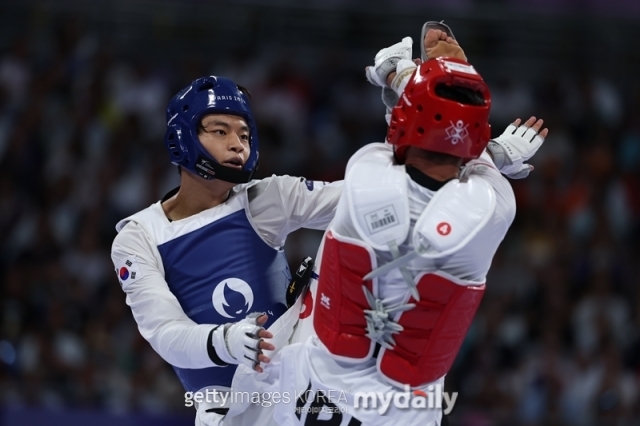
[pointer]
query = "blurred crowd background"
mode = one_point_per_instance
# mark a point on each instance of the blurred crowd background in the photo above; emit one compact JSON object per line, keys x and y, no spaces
{"x":83,"y":87}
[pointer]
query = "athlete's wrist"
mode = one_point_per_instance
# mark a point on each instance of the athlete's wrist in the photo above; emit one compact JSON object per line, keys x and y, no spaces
{"x":218,"y":354}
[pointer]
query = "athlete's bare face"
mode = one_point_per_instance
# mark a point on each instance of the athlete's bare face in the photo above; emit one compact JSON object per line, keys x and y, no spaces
{"x":226,"y":138}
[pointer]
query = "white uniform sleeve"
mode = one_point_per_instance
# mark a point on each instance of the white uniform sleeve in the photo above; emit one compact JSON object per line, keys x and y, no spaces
{"x":280,"y":205}
{"x":161,"y":320}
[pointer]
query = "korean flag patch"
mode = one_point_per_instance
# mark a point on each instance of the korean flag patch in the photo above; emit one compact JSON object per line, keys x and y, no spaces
{"x":127,"y":270}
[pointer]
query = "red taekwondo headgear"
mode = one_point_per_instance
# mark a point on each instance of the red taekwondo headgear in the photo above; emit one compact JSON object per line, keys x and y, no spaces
{"x":444,"y":108}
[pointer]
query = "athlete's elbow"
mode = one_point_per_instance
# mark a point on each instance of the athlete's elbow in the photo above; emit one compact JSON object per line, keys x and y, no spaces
{"x":166,"y":342}
{"x":172,"y":352}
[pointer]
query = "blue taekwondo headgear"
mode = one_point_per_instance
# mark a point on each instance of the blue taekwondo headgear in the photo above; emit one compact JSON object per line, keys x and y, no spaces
{"x":207,"y":95}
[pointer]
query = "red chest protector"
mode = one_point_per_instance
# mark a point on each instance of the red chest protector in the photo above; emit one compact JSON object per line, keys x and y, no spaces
{"x":433,"y":330}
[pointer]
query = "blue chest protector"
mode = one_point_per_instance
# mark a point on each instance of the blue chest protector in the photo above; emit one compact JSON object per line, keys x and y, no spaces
{"x":219,"y":273}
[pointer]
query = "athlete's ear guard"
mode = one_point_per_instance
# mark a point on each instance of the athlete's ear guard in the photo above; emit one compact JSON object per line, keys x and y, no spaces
{"x":300,"y":281}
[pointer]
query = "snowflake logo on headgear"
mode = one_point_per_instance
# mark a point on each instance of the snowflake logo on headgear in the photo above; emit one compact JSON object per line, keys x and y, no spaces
{"x":456,"y":132}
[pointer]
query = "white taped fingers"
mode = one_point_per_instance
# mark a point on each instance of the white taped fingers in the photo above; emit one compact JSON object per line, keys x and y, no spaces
{"x":528,"y":134}
{"x":510,"y":150}
{"x":511,"y":128}
{"x":241,"y":342}
{"x":244,"y":343}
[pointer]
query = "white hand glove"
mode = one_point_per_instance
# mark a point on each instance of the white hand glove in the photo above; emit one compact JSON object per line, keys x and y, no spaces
{"x":386,"y":60}
{"x":241,"y":341}
{"x":511,"y":149}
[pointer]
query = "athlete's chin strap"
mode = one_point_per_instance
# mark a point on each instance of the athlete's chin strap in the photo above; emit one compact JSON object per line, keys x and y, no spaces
{"x":209,"y":170}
